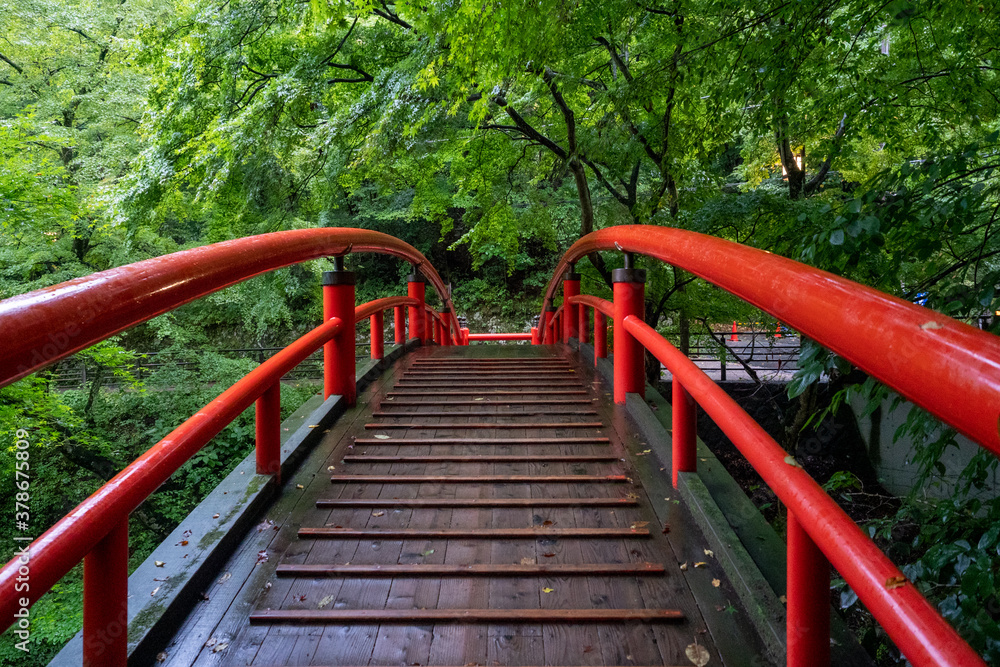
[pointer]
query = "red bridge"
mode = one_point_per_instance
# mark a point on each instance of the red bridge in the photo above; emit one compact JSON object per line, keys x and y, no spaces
{"x":457,"y":504}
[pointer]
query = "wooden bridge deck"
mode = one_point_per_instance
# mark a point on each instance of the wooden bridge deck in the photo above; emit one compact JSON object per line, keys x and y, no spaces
{"x":478,"y":507}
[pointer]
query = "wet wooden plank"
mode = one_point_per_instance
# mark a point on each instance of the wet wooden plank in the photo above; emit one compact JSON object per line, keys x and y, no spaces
{"x":423,"y":616}
{"x":480,"y":426}
{"x":483,"y":413}
{"x":610,"y":501}
{"x":472,"y":570}
{"x":470,"y":533}
{"x":482,"y":441}
{"x":477,"y":479}
{"x":486,"y":458}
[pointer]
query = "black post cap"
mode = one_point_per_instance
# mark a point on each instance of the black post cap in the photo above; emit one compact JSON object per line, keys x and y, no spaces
{"x":338,"y":277}
{"x":628,"y":275}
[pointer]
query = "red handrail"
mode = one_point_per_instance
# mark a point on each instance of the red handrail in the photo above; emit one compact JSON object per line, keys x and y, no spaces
{"x":379,"y":305}
{"x":499,"y":336}
{"x":909,"y":619}
{"x":66,"y":543}
{"x":946,"y":367}
{"x":41,"y":327}
{"x":601,"y":305}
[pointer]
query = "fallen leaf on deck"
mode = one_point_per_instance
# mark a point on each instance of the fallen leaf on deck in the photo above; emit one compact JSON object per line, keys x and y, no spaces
{"x":215,"y":516}
{"x":895,"y":582}
{"x":639,"y":524}
{"x":154,"y":591}
{"x":219,"y":647}
{"x":790,"y":460}
{"x":644,"y":452}
{"x":527,"y":561}
{"x":477,"y":399}
{"x":701,"y":564}
{"x":262,"y":556}
{"x":267,"y":585}
{"x":716,"y":583}
{"x":709,"y":553}
{"x":159,"y":563}
{"x":226,"y":577}
{"x":302,"y":598}
{"x":783,"y":600}
{"x":161,"y":656}
{"x":182,"y":543}
{"x":379,"y":436}
{"x":666,"y":528}
{"x":379,"y":513}
{"x":299,"y":486}
{"x":264,"y":525}
{"x":325,"y":601}
{"x":547,"y":522}
{"x":331,"y":468}
{"x":588,"y":649}
{"x":548,"y":590}
{"x":684,"y":567}
{"x":697,"y":654}
{"x":548,"y":555}
{"x":211,"y":642}
{"x":427,"y":553}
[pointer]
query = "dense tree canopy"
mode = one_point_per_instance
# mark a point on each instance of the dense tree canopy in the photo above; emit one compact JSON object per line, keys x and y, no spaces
{"x":858,"y":137}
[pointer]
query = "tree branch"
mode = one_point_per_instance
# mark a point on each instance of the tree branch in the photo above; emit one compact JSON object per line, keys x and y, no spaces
{"x":365,"y":76}
{"x":17,"y":68}
{"x":391,"y":16}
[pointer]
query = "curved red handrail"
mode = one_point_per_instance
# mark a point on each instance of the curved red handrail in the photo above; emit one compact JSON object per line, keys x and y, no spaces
{"x":909,"y":619}
{"x":378,"y":305}
{"x":946,"y":367}
{"x":499,"y":336}
{"x":66,"y":543}
{"x":601,"y":305}
{"x":41,"y":327}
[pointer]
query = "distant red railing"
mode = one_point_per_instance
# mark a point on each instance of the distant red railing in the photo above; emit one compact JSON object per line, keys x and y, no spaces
{"x":945,"y":366}
{"x":87,"y":310}
{"x":488,"y":337}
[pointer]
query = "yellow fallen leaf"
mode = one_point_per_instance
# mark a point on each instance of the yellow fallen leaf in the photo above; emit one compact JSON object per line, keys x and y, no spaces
{"x":325,"y":601}
{"x":639,"y":524}
{"x":379,"y":436}
{"x":895,"y":582}
{"x":701,"y":564}
{"x":219,"y":647}
{"x":299,"y":486}
{"x":783,"y":599}
{"x":931,"y":325}
{"x":709,"y":553}
{"x":379,"y":513}
{"x":684,"y":567}
{"x":527,"y":561}
{"x":159,"y":563}
{"x":790,"y":460}
{"x":313,"y":425}
{"x":331,"y":468}
{"x":697,"y":654}
{"x":716,"y":583}
{"x":548,"y":590}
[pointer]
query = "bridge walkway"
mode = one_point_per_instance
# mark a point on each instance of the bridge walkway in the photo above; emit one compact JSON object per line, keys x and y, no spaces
{"x":479,"y":506}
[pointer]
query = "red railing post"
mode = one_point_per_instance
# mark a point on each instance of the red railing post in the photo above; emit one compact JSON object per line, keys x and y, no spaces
{"x":600,"y":336}
{"x":581,"y":326}
{"x":268,"y":431}
{"x":415,"y":290}
{"x":400,"y":321}
{"x":547,"y":325}
{"x":445,"y":328}
{"x":377,"y":323}
{"x":808,"y":623}
{"x":430,"y":330}
{"x":685,"y":422}
{"x":465,"y":335}
{"x":105,"y":600}
{"x":629,"y":291}
{"x":571,"y":320}
{"x":535,"y":339}
{"x":338,"y":354}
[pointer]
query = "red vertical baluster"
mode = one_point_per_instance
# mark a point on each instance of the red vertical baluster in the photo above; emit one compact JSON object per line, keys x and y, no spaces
{"x":600,"y":336}
{"x":808,"y":624}
{"x":268,"y":431}
{"x":338,"y":354}
{"x":684,"y":417}
{"x":571,"y":320}
{"x":415,"y":290}
{"x":629,"y":291}
{"x":105,"y":600}
{"x":399,"y":319}
{"x":377,"y":324}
